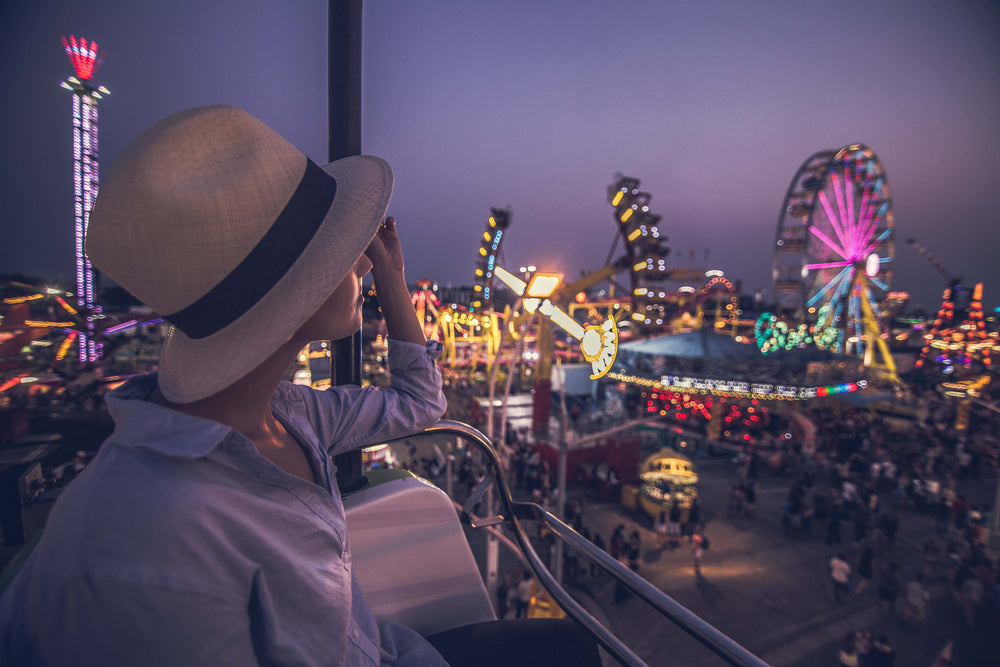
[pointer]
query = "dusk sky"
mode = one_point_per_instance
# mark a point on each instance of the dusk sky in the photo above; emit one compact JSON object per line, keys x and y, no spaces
{"x":536,"y":105}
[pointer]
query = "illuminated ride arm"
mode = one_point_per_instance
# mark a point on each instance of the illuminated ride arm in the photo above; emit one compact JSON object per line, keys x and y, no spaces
{"x":599,"y":344}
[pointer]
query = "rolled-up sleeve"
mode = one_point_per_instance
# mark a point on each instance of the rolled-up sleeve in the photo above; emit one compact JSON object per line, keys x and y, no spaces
{"x":349,"y":417}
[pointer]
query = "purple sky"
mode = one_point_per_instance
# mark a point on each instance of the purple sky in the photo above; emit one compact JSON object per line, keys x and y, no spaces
{"x":536,"y":105}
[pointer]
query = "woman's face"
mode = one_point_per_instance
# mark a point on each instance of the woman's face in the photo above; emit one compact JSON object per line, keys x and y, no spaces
{"x":340,"y":314}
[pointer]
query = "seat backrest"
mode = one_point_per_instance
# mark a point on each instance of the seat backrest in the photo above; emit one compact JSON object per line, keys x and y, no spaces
{"x":411,"y":556}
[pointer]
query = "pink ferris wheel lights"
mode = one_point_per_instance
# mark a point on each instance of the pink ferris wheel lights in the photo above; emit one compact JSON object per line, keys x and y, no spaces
{"x":84,"y":56}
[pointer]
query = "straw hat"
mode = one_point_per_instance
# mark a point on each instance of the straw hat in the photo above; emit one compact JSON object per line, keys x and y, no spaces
{"x":232,"y":235}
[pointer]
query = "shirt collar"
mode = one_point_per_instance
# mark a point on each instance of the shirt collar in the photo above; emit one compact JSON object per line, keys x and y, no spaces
{"x":142,"y":423}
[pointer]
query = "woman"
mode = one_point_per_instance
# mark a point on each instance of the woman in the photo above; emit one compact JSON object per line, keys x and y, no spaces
{"x":209,"y":528}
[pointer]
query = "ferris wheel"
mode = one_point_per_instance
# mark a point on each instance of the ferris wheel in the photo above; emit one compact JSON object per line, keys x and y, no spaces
{"x":834,"y":248}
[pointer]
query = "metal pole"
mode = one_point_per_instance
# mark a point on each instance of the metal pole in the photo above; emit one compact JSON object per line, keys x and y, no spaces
{"x":561,"y":502}
{"x":344,"y":108}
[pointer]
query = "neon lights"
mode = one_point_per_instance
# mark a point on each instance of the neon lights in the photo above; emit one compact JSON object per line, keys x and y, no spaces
{"x":83,"y":56}
{"x":843,"y":200}
{"x":45,"y":323}
{"x":64,"y":348}
{"x":70,"y":309}
{"x":23,"y":299}
{"x":490,"y":243}
{"x":740,"y":388}
{"x":599,"y":345}
{"x":13,"y":382}
{"x":773,"y":334}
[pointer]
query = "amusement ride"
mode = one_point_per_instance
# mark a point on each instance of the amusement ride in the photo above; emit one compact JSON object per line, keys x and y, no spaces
{"x":958,"y":339}
{"x":833,"y":253}
{"x":86,"y":58}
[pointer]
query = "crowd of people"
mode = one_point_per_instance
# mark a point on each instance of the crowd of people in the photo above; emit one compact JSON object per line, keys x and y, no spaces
{"x":854,"y":494}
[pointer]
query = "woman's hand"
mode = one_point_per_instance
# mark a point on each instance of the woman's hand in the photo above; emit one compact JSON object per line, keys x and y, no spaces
{"x":385,"y":251}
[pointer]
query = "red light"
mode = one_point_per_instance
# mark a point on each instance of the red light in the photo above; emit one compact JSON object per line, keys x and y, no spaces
{"x":83,"y":56}
{"x":11,"y":382}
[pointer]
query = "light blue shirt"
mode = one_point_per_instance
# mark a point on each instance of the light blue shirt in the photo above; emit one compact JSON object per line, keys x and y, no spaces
{"x":181,"y":545}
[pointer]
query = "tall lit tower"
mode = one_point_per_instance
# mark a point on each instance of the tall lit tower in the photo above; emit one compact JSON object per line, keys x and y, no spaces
{"x":86,"y":60}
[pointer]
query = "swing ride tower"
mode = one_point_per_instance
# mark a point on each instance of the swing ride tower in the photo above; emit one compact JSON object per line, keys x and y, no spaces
{"x":85,"y":59}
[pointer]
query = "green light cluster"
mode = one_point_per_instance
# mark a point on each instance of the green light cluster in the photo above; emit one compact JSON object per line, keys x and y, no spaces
{"x":773,"y":334}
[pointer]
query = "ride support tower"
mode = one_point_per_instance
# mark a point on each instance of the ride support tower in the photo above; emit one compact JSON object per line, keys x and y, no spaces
{"x":85,"y":58}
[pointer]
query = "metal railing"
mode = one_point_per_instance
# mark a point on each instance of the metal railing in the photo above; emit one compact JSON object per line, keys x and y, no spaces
{"x":511,"y":514}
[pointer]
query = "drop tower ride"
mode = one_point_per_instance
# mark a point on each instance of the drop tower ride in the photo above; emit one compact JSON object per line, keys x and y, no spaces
{"x":86,"y":60}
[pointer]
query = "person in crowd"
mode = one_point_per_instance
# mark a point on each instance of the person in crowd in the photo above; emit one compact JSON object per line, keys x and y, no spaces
{"x":833,"y":522}
{"x":848,"y":653}
{"x":503,"y":596}
{"x":525,"y":587}
{"x":970,"y":595}
{"x":840,"y":575}
{"x":595,"y":569}
{"x":617,"y":548}
{"x":694,"y":516}
{"x":750,"y":496}
{"x":888,"y":588}
{"x":660,"y":529}
{"x":863,"y":644}
{"x":915,"y":601}
{"x":674,"y":526}
{"x":634,"y":548}
{"x":698,"y":545}
{"x":736,"y":500}
{"x":882,"y":653}
{"x":571,"y":563}
{"x":865,"y":567}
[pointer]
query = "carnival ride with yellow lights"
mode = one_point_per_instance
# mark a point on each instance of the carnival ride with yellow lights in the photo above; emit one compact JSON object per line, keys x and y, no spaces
{"x":598,"y":344}
{"x":958,"y":340}
{"x":833,"y":254}
{"x":39,"y":327}
{"x":667,"y":478}
{"x":652,"y":304}
{"x":37,"y":319}
{"x":469,"y":339}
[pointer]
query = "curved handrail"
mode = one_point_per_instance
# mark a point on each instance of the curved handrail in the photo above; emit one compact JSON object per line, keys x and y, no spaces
{"x":512,"y":511}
